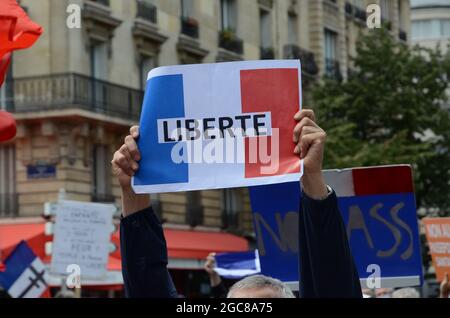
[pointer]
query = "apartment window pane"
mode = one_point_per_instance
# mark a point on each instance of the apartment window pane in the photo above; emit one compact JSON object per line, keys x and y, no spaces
{"x":426,"y":29}
{"x":359,"y":3}
{"x":231,"y":206}
{"x":187,"y":7}
{"x":8,"y":196}
{"x":292,"y":29}
{"x":445,"y":28}
{"x":99,"y":61}
{"x":384,"y":9}
{"x":330,"y":45}
{"x":265,"y":29}
{"x":229,"y":15}
{"x":147,"y":63}
{"x":101,"y":174}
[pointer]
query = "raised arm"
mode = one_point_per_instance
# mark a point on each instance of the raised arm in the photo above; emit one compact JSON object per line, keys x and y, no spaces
{"x":142,"y":243}
{"x":327,"y":268}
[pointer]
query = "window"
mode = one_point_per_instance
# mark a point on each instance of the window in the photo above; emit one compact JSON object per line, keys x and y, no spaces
{"x":431,"y":29}
{"x":231,"y":206}
{"x":265,"y":29}
{"x":99,"y":59}
{"x":359,"y":4}
{"x":8,"y":196}
{"x":147,"y":63}
{"x":384,"y":4}
{"x":194,"y":215}
{"x":187,"y":7}
{"x":331,"y":59}
{"x":228,"y":15}
{"x":292,"y":28}
{"x":330,"y":45}
{"x":101,"y":185}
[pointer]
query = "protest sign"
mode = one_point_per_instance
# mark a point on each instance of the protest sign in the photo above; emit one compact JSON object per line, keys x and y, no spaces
{"x":81,"y":237}
{"x":378,"y":208}
{"x":210,"y":126}
{"x":437,"y":231}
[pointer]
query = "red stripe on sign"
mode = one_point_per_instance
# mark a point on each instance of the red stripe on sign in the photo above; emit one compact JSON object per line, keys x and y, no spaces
{"x":383,"y":180}
{"x":275,"y":91}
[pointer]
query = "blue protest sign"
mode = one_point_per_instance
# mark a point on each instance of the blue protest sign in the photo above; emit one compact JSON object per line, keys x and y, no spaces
{"x":380,"y":218}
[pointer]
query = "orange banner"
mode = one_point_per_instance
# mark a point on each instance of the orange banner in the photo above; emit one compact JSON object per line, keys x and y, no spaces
{"x":438,"y":236}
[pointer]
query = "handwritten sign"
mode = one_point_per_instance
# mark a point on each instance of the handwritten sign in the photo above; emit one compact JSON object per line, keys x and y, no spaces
{"x":378,"y":208}
{"x":438,"y":236}
{"x":81,"y":236}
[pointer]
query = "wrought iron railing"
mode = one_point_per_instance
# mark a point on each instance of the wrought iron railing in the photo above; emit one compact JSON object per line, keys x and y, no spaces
{"x":309,"y":66}
{"x":63,"y":91}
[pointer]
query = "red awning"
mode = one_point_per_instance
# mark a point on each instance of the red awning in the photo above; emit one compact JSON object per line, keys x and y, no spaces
{"x":197,"y":244}
{"x":182,"y":244}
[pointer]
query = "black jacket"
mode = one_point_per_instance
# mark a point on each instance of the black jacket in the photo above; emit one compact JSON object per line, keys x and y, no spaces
{"x":327,"y":268}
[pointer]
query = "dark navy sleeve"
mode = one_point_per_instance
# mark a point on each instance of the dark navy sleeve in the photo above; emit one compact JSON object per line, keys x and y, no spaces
{"x":144,"y":257}
{"x":327,"y":268}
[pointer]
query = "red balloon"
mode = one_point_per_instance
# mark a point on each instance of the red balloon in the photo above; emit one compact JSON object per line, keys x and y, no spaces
{"x":17,"y":31}
{"x":7,"y":126}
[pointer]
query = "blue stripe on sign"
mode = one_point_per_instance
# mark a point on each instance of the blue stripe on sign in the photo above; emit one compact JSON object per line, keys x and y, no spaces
{"x":164,"y":98}
{"x":16,"y":263}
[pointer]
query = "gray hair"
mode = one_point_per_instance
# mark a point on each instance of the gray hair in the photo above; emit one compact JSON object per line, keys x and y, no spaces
{"x":406,"y":293}
{"x":261,"y":281}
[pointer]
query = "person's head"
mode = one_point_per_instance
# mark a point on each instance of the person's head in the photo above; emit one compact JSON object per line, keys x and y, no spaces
{"x":260,"y":286}
{"x":406,"y":293}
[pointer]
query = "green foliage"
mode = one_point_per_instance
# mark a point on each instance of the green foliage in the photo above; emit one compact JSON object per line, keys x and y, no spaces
{"x":395,"y":95}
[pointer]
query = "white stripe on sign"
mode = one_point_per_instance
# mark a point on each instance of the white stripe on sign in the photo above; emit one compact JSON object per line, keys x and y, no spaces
{"x":341,"y":181}
{"x":32,"y":283}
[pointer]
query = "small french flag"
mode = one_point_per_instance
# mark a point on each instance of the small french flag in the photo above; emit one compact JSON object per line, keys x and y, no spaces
{"x":370,"y":181}
{"x":25,"y":275}
{"x":237,"y":265}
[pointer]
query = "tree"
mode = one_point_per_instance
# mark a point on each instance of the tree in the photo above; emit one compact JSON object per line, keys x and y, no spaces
{"x":391,"y":110}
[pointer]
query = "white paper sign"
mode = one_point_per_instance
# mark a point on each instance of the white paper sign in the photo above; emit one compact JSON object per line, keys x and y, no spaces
{"x":222,"y":125}
{"x":81,"y":236}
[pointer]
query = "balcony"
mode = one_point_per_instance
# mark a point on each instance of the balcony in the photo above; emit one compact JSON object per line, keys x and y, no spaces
{"x":73,"y":91}
{"x":146,"y":11}
{"x":9,"y":205}
{"x":333,"y":69}
{"x":229,"y":41}
{"x":189,"y":27}
{"x":309,"y":66}
{"x":266,"y":53}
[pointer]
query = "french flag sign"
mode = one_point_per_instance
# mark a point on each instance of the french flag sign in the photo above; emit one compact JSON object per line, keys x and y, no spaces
{"x":222,"y":125}
{"x":25,"y":275}
{"x":238,"y":264}
{"x":378,"y":208}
